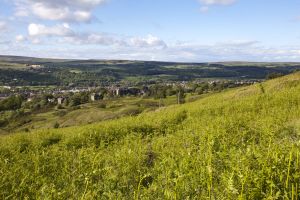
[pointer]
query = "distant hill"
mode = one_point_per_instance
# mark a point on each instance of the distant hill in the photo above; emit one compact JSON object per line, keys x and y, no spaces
{"x":238,"y":144}
{"x":98,"y":72}
{"x":22,"y":59}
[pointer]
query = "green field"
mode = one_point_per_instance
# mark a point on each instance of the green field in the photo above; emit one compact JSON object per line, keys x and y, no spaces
{"x":239,"y":144}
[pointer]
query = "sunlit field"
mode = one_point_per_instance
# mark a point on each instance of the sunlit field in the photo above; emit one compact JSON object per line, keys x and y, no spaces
{"x":239,"y":144}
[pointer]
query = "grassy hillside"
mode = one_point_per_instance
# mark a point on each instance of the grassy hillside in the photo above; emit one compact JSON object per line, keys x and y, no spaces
{"x":239,"y":144}
{"x":87,"y":113}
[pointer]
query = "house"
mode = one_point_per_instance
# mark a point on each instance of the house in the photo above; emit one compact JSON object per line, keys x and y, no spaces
{"x":117,"y":92}
{"x":51,"y":100}
{"x":36,"y":66}
{"x":95,"y":97}
{"x":60,"y":100}
{"x":7,"y":87}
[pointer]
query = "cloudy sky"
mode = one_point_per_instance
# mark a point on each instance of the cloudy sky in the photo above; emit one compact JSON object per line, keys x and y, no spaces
{"x":166,"y":30}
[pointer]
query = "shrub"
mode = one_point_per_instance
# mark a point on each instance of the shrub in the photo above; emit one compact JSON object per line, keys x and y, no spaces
{"x":274,"y":75}
{"x":60,"y":107}
{"x":3,"y":122}
{"x":11,"y":103}
{"x":56,"y":125}
{"x":101,"y":105}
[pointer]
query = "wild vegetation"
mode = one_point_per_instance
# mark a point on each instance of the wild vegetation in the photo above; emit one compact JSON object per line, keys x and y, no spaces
{"x":24,"y":110}
{"x":239,"y":144}
{"x":35,"y":115}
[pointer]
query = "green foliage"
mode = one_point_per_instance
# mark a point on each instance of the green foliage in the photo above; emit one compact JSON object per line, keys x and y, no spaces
{"x":79,"y":98}
{"x":59,"y":107}
{"x":3,"y":122}
{"x":56,"y":125}
{"x":262,"y":89}
{"x":101,"y":105}
{"x":274,"y":75}
{"x":201,"y":88}
{"x":158,"y":91}
{"x":11,"y":103}
{"x":180,"y":95}
{"x":238,"y":144}
{"x":76,"y":100}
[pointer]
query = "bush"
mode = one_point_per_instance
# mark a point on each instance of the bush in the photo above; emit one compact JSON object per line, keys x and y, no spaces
{"x":51,"y":140}
{"x":131,"y":111}
{"x":274,"y":75}
{"x":11,"y":103}
{"x":36,"y":107}
{"x":60,"y":107}
{"x":101,"y":105}
{"x":61,"y":113}
{"x":56,"y":125}
{"x":74,"y":108}
{"x":3,"y":122}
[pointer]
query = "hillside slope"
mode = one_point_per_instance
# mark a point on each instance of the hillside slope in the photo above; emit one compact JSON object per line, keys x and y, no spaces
{"x":243,"y":143}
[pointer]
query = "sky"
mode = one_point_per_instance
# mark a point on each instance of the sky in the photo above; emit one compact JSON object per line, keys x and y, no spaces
{"x":162,"y":30}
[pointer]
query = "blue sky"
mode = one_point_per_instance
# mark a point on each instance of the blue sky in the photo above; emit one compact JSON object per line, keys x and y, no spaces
{"x":166,"y":30}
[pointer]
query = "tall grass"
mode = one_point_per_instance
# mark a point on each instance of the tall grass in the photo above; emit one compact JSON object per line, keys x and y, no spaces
{"x":239,"y":144}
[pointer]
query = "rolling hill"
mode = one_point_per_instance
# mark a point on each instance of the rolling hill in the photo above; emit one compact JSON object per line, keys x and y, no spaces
{"x":16,"y":71}
{"x":239,"y":144}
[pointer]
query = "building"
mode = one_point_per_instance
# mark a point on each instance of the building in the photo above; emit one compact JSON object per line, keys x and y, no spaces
{"x":60,"y":100}
{"x":35,"y":66}
{"x":95,"y":97}
{"x":51,"y":100}
{"x":115,"y":91}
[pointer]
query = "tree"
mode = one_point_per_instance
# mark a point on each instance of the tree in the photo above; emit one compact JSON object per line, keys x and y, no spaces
{"x":158,"y":91}
{"x":199,"y":90}
{"x":11,"y":103}
{"x":75,"y":100}
{"x":56,"y":125}
{"x":273,"y":75}
{"x":180,"y":95}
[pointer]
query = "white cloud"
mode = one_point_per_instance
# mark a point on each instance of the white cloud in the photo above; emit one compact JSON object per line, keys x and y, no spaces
{"x":204,"y":9}
{"x":4,"y":33}
{"x":183,"y":52}
{"x":63,"y":33}
{"x":149,"y":41}
{"x":20,"y":38}
{"x":102,"y":39}
{"x":240,"y":50}
{"x":238,"y":43}
{"x":207,"y":3}
{"x":217,"y":2}
{"x":60,"y":13}
{"x":36,"y":30}
{"x":58,"y":10}
{"x":3,"y":26}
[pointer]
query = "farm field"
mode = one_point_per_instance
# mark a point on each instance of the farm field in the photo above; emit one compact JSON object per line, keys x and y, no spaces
{"x":238,"y":144}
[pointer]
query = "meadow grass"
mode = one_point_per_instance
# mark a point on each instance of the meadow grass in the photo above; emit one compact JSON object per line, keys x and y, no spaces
{"x":90,"y":113}
{"x":239,"y":144}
